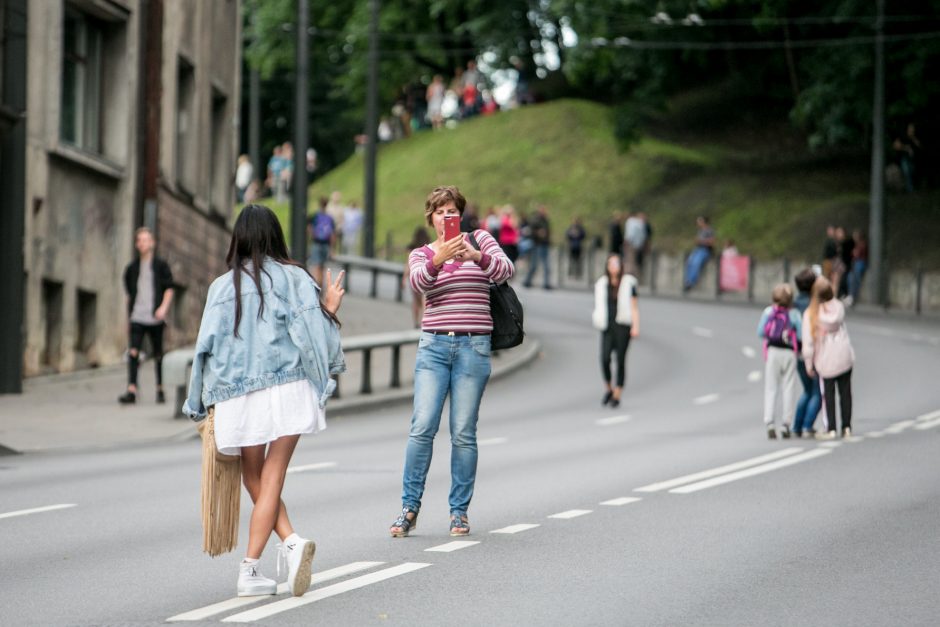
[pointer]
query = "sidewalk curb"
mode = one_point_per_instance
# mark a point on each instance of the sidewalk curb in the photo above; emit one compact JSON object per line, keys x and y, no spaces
{"x":342,"y":407}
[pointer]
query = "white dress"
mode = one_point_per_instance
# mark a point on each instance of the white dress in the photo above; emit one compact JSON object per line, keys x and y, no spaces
{"x":265,"y":415}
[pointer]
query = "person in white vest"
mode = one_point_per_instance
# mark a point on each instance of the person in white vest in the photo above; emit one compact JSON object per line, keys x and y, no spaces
{"x":617,"y":317}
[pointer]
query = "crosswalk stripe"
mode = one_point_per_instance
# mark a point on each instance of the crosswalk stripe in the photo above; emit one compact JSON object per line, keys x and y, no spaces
{"x":318,"y":466}
{"x":319,"y":594}
{"x":928,"y":416}
{"x":623,"y":500}
{"x":571,"y":513}
{"x":900,"y":426}
{"x":706,"y":399}
{"x":450,"y":547}
{"x":922,"y":426}
{"x":705,"y":474}
{"x":515,"y":528}
{"x":37,"y":510}
{"x":237,"y":602}
{"x":750,"y":472}
{"x":612,"y":420}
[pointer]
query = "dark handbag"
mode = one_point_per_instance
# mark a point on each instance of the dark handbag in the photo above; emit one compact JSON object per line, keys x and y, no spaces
{"x":506,"y":311}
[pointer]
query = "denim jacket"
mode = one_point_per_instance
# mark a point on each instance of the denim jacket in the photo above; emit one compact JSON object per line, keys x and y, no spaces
{"x":291,"y":341}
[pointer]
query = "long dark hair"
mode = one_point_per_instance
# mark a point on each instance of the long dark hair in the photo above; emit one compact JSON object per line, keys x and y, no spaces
{"x":257,"y":234}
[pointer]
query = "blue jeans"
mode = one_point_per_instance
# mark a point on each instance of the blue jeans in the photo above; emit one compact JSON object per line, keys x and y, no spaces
{"x":459,"y":366}
{"x":693,"y":267}
{"x":539,"y":257}
{"x":856,"y":274}
{"x":807,"y":408}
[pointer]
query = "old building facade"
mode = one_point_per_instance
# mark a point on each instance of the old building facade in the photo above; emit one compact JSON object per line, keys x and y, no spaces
{"x":131,"y":120}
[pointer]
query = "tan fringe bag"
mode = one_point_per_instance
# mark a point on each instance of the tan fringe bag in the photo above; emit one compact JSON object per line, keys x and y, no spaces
{"x":221,"y":492}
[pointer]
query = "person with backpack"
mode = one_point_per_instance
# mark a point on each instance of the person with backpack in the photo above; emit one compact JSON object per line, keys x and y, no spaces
{"x":780,"y":328}
{"x":453,"y":358}
{"x":617,"y":316}
{"x":807,"y":408}
{"x":322,"y":231}
{"x":828,"y":350}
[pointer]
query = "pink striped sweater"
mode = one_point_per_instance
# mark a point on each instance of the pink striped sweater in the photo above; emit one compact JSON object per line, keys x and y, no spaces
{"x":457,"y":295}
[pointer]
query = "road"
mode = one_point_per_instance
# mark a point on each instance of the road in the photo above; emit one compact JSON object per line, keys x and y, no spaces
{"x":594,"y":529}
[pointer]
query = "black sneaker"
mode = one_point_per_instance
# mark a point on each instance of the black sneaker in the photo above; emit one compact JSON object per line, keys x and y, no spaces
{"x":128,"y":398}
{"x":161,"y":397}
{"x":771,"y":434}
{"x":785,"y":432}
{"x":609,"y":395}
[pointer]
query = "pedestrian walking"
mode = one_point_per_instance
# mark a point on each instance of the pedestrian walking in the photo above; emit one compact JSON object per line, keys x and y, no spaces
{"x":617,"y":316}
{"x":509,"y":232}
{"x":267,"y":345}
{"x":575,"y":236}
{"x":828,"y":350}
{"x":453,"y":356}
{"x":635,"y":242}
{"x":540,"y":227}
{"x":148,"y":283}
{"x":830,"y":252}
{"x":704,"y":247}
{"x":859,"y":267}
{"x":780,"y":328}
{"x":810,"y":401}
{"x":244,"y":174}
{"x":322,"y":232}
{"x":353,"y":219}
{"x":615,"y":233}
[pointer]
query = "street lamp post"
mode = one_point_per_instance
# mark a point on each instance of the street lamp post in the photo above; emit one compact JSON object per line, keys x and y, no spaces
{"x":371,"y":131}
{"x":876,"y":278}
{"x":298,"y":209}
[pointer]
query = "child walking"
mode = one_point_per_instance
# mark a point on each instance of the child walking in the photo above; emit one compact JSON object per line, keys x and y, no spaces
{"x":828,"y":350}
{"x":267,"y":345}
{"x":780,"y":328}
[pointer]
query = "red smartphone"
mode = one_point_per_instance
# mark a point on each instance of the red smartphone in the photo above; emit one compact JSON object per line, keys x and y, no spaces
{"x":451,"y":227}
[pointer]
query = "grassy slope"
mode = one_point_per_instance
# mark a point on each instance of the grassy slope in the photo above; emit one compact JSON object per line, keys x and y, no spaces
{"x":761,"y":190}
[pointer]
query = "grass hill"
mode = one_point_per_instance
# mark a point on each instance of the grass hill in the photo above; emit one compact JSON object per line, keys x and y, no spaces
{"x":758,"y":182}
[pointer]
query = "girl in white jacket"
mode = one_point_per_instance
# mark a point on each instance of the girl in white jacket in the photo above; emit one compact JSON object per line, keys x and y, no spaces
{"x":617,"y":317}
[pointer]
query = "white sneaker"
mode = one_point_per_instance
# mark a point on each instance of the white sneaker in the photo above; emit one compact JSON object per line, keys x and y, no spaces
{"x":252,"y":583}
{"x":299,"y":565}
{"x":827,"y":435}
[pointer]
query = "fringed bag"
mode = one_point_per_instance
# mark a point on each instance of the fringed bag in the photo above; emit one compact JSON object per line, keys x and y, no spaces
{"x":221,"y":492}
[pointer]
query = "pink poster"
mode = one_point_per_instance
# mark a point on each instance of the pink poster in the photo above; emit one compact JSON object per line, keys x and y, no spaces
{"x":735,"y":270}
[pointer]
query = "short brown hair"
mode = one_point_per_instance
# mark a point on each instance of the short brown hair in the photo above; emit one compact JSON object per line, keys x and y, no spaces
{"x":143,"y":229}
{"x":439,"y":197}
{"x":782,"y":295}
{"x":805,"y":279}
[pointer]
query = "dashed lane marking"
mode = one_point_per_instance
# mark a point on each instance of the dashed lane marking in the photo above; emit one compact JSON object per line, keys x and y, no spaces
{"x":317,"y":466}
{"x":623,"y":500}
{"x":754,"y":376}
{"x":900,"y":426}
{"x":830,"y":444}
{"x":450,"y":547}
{"x":923,"y":426}
{"x":239,"y":602}
{"x":290,"y":603}
{"x":571,"y":513}
{"x":749,"y":352}
{"x":876,"y":434}
{"x":930,"y":416}
{"x":37,"y":510}
{"x":705,"y":474}
{"x":750,"y":472}
{"x":702,"y":332}
{"x":492,"y":441}
{"x":706,"y":399}
{"x":612,"y":420}
{"x":516,"y":528}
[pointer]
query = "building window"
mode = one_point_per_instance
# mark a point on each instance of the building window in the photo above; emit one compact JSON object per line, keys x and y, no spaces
{"x":81,"y":80}
{"x":87,"y":310}
{"x":185,"y":127}
{"x":52,"y":315}
{"x":219,"y":162}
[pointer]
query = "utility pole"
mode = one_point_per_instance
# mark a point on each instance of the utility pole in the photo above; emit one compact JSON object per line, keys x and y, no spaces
{"x":254,"y":124}
{"x":298,"y":209}
{"x":876,"y":275}
{"x":372,"y":123}
{"x":12,"y":194}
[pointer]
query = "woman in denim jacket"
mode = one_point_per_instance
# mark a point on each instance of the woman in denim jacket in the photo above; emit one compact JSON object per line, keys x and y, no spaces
{"x":266,"y":348}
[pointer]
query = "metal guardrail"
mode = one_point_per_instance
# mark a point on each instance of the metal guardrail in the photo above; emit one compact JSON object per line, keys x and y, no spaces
{"x":375,"y":267}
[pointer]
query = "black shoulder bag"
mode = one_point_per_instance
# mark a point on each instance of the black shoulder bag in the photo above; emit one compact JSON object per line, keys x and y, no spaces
{"x":506,"y":311}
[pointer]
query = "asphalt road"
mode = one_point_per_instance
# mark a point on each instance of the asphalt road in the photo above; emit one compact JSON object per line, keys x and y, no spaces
{"x":752,"y":532}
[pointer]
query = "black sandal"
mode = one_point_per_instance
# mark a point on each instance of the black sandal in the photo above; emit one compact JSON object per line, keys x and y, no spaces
{"x":404,"y":523}
{"x":459,"y":525}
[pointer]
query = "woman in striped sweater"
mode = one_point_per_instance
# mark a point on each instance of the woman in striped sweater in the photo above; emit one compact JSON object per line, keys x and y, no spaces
{"x":453,"y":355}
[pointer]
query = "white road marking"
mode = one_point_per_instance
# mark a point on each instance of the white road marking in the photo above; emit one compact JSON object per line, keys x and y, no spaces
{"x":750,"y":472}
{"x":855,"y":438}
{"x":930,"y":416}
{"x":323,"y":593}
{"x":702,"y":332}
{"x":450,"y":547}
{"x":706,"y":399}
{"x":898,"y":427}
{"x":749,"y":352}
{"x":705,"y":474}
{"x":237,"y":602}
{"x":623,"y":500}
{"x":830,"y":444}
{"x":612,"y":420}
{"x":923,"y":426}
{"x":492,"y":441}
{"x":754,"y":376}
{"x":515,"y":528}
{"x":876,"y":434}
{"x":318,"y":466}
{"x":37,"y":510}
{"x":571,"y":513}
